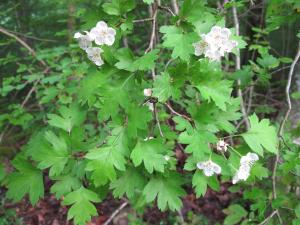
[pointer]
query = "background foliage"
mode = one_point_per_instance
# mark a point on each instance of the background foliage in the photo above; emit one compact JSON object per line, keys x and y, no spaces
{"x":78,"y":131}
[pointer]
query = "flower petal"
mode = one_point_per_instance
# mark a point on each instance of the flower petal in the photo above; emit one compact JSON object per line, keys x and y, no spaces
{"x":101,"y":25}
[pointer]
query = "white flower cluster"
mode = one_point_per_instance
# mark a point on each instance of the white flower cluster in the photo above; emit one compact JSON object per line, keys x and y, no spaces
{"x":246,"y":163}
{"x":215,"y":44}
{"x":102,"y":35}
{"x":209,"y":168}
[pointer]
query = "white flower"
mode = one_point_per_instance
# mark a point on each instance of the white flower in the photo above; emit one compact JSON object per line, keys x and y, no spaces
{"x":148,"y":138}
{"x":249,"y":159}
{"x":167,"y":158}
{"x":93,"y":54}
{"x":84,"y":40}
{"x":147,"y":92}
{"x":222,"y":146}
{"x":241,"y":174}
{"x":200,"y":47}
{"x":246,"y":163}
{"x":150,"y":105}
{"x":102,"y":34}
{"x":213,"y":55}
{"x":215,"y":44}
{"x":209,"y":168}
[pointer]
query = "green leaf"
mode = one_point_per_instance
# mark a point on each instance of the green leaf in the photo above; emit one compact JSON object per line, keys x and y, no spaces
{"x":147,"y":61}
{"x":64,"y":185}
{"x":148,"y":1}
{"x":259,"y":171}
{"x":82,"y":207}
{"x":151,"y":153}
{"x":181,"y":43}
{"x":241,"y":43}
{"x":138,"y":118}
{"x":103,"y":162}
{"x":297,"y":211}
{"x":268,"y":61}
{"x":199,"y":183}
{"x":2,"y":172}
{"x":89,"y":87}
{"x":163,"y":88}
{"x":130,"y":182}
{"x":296,"y":95}
{"x":55,"y":157}
{"x":261,"y":135}
{"x":112,"y":98}
{"x":217,"y":90}
{"x":70,"y":117}
{"x":198,"y":142}
{"x":223,"y":119}
{"x":27,"y":179}
{"x":190,"y":10}
{"x":118,"y":7}
{"x":108,"y":154}
{"x":168,"y":191}
{"x":235,"y":214}
{"x":285,"y":60}
{"x":125,"y":59}
{"x":101,"y":172}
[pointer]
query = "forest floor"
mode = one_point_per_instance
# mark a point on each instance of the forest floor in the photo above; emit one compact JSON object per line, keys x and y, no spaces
{"x":49,"y":210}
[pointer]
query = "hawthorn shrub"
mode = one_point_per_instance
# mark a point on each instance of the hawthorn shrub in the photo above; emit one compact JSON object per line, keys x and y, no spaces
{"x":116,"y":104}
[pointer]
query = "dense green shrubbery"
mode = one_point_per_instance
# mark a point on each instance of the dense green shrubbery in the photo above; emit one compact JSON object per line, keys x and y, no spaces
{"x":113,"y":127}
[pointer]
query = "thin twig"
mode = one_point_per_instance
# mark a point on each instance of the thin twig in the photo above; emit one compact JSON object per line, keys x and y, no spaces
{"x":116,"y":212}
{"x":152,"y":36}
{"x":268,"y":218}
{"x":181,"y":217}
{"x":282,"y":68}
{"x":238,"y":67}
{"x":23,"y":43}
{"x":167,"y":9}
{"x":280,"y":131}
{"x":177,"y":113}
{"x":250,"y":100}
{"x":157,"y":119}
{"x":153,"y":12}
{"x":142,"y":20}
{"x":31,"y":37}
{"x":287,"y":91}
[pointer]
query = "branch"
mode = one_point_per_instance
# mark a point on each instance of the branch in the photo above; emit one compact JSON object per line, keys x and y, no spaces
{"x":23,"y":43}
{"x":280,"y":132}
{"x":152,"y":36}
{"x":116,"y":212}
{"x":153,"y":12}
{"x":176,"y":113}
{"x":238,"y":67}
{"x":33,"y":53}
{"x":175,"y":6}
{"x":142,"y":20}
{"x":31,"y":37}
{"x":157,"y":119}
{"x":287,"y":91}
{"x":167,"y":9}
{"x":268,"y":218}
